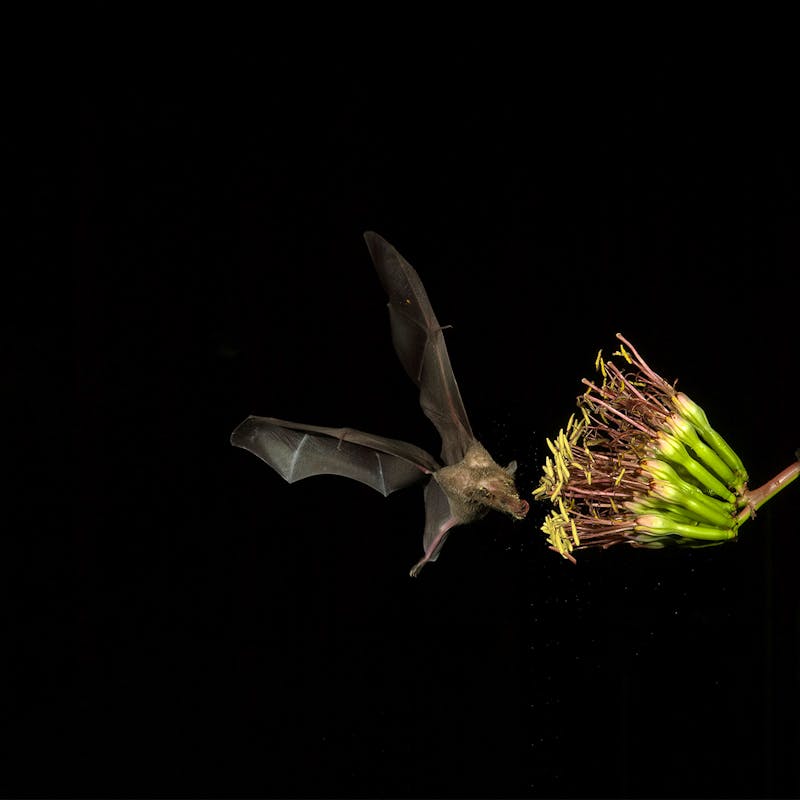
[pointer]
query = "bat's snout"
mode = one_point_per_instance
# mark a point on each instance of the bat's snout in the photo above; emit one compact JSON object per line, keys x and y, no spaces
{"x":522,"y":509}
{"x":501,"y":495}
{"x":512,"y":504}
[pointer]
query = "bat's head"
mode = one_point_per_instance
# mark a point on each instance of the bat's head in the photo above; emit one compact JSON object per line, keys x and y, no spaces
{"x":496,"y":489}
{"x":478,"y":483}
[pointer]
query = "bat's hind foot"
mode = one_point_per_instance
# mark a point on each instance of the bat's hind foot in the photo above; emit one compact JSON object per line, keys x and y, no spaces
{"x":415,"y":570}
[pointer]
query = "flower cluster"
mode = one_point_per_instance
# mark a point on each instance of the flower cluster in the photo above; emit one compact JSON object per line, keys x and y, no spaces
{"x":640,"y":463}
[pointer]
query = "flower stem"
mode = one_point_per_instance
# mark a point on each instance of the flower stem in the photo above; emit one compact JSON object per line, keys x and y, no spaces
{"x":757,"y":497}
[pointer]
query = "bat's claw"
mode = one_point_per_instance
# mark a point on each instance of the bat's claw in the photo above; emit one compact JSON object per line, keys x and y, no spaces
{"x":415,"y":570}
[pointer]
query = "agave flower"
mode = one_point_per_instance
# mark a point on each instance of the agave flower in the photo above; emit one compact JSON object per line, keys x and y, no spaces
{"x":641,"y":464}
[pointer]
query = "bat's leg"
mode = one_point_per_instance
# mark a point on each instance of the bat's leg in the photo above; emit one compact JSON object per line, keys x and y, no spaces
{"x":443,"y":529}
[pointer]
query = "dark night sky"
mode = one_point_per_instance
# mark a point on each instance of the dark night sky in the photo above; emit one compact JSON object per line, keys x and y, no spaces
{"x":226,"y":634}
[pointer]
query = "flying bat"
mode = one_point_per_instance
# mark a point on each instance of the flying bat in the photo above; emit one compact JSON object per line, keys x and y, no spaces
{"x":459,"y":491}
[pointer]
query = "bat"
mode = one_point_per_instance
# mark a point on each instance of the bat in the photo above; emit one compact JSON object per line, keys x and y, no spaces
{"x":461,"y":489}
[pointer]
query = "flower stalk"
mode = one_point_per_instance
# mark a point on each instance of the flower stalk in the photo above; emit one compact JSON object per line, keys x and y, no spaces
{"x":640,"y":463}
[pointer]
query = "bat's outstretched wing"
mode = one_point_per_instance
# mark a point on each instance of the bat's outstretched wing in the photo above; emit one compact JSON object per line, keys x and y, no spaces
{"x":419,"y":342}
{"x":297,"y":451}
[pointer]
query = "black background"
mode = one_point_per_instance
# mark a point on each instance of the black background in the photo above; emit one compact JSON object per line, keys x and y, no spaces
{"x":226,"y":634}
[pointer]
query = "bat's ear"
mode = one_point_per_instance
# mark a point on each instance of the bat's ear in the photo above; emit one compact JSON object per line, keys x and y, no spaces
{"x":511,"y":468}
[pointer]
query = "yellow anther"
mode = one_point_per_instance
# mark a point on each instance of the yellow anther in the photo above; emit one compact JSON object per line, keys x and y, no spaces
{"x":623,"y":353}
{"x":559,"y":466}
{"x":600,"y":366}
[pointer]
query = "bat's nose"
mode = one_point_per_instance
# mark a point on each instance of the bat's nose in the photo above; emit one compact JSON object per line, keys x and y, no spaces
{"x":523,"y":509}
